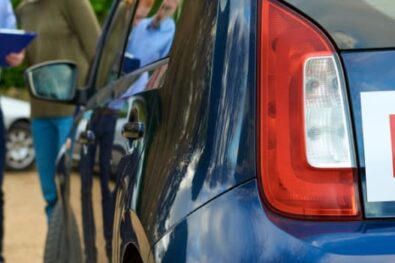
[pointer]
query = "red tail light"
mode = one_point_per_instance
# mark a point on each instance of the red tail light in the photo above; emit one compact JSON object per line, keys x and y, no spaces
{"x":307,"y":163}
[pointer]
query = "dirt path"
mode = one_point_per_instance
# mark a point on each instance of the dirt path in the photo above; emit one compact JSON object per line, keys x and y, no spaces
{"x":25,"y":220}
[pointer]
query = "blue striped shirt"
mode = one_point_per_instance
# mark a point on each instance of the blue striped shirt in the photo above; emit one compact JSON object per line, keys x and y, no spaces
{"x":151,"y":44}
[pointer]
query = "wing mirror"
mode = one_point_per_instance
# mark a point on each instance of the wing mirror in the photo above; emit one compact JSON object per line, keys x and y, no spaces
{"x":54,"y":81}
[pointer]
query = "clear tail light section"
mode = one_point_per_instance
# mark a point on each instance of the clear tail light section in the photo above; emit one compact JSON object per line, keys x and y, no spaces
{"x":306,"y":155}
{"x":327,"y":130}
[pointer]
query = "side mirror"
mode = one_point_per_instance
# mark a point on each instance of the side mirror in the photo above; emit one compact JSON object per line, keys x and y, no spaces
{"x":54,"y":81}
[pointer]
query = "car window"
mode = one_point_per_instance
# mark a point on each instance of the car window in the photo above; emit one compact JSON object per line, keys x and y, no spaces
{"x":111,"y":54}
{"x":353,"y":24}
{"x":152,"y":33}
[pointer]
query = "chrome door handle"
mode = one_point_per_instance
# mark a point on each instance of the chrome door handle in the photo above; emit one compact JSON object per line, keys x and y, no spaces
{"x":133,"y":130}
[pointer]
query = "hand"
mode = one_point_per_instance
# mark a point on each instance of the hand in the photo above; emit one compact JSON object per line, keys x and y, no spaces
{"x":15,"y":59}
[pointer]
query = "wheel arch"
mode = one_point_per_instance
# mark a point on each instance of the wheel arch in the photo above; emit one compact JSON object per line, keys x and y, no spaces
{"x":131,"y":254}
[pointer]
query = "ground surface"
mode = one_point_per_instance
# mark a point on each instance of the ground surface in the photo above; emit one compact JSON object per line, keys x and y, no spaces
{"x":25,"y":221}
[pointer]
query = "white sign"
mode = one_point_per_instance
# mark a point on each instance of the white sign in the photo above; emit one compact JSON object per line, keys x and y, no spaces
{"x":377,"y":108}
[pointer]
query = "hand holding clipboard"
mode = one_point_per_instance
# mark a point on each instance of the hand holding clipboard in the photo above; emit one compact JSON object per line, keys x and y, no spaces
{"x":13,"y":41}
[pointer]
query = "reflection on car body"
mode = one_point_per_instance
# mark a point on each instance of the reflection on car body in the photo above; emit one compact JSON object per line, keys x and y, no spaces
{"x":119,"y":147}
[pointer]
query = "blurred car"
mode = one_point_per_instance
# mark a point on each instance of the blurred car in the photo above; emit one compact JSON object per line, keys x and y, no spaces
{"x":20,"y":153}
{"x":268,"y":135}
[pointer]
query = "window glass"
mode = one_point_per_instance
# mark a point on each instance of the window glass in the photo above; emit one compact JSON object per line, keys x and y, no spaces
{"x":111,"y":55}
{"x":152,"y":34}
{"x":353,"y":24}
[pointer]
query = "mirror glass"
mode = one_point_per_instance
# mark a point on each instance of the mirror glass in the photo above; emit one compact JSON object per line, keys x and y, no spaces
{"x":53,"y":81}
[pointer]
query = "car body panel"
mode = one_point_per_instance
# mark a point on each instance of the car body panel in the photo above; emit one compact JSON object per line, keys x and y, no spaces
{"x":143,"y":109}
{"x":237,"y":227}
{"x":197,"y":183}
{"x":202,"y":143}
{"x":354,"y":24}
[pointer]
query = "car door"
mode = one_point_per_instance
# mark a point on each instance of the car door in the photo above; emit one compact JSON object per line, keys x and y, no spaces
{"x":200,"y":141}
{"x":110,"y":138}
{"x":110,"y":147}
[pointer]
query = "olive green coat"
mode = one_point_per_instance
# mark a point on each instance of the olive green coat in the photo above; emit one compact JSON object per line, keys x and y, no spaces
{"x":66,"y":29}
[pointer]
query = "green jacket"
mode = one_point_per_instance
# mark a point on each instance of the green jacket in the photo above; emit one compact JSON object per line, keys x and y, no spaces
{"x":66,"y":29}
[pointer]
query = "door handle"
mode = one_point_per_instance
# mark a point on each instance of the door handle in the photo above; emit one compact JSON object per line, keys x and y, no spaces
{"x":133,"y":130}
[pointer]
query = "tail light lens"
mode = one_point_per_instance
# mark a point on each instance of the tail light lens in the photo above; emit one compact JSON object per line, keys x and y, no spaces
{"x":327,"y":133}
{"x":307,"y":163}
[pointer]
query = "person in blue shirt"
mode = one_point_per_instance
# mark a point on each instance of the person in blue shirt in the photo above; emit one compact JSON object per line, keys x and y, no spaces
{"x":152,"y":37}
{"x":151,"y":40}
{"x":7,"y":21}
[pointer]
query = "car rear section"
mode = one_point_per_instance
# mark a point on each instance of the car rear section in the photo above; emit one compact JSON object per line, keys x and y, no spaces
{"x":274,"y":136}
{"x":318,"y":123}
{"x":357,"y":137}
{"x":326,"y":127}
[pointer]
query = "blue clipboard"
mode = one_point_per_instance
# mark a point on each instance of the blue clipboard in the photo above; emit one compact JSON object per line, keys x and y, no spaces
{"x":130,"y":63}
{"x":13,"y":41}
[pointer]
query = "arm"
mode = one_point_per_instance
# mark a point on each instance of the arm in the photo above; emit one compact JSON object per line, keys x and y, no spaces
{"x":84,"y":22}
{"x":15,"y":59}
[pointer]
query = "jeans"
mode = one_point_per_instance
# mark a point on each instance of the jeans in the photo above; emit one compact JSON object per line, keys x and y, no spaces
{"x":49,"y":134}
{"x":103,"y":126}
{"x":2,"y":166}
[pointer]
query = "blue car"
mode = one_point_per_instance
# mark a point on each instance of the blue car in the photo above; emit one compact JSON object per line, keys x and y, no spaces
{"x":266,"y":135}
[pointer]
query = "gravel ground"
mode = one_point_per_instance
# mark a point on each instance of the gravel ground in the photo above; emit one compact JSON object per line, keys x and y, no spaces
{"x":25,"y":221}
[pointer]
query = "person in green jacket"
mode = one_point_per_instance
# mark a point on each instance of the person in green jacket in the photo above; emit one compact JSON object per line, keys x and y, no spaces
{"x":67,"y":30}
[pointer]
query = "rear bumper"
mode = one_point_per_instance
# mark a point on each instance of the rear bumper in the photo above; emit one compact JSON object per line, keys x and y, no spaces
{"x":236,"y":227}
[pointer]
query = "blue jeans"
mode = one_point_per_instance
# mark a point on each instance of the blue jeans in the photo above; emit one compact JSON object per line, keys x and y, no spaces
{"x":103,"y":126}
{"x":49,"y":134}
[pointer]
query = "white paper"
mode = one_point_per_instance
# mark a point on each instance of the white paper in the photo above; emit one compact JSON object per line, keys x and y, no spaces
{"x":376,"y":110}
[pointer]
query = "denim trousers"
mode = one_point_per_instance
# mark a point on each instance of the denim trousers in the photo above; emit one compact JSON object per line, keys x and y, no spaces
{"x":49,"y":134}
{"x":103,"y":127}
{"x":2,"y":167}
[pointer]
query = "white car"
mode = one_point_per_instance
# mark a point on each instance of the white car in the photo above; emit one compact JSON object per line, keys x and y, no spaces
{"x":20,"y":153}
